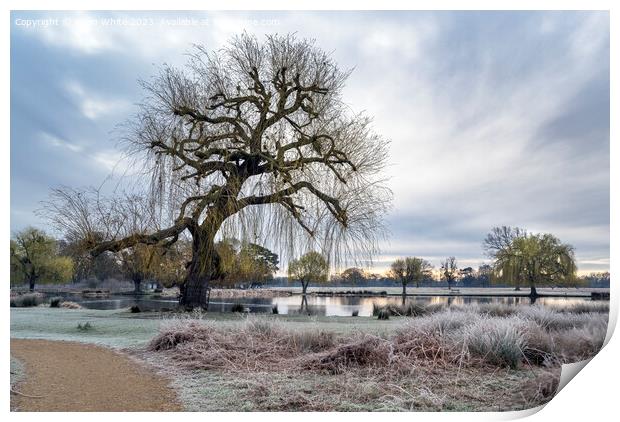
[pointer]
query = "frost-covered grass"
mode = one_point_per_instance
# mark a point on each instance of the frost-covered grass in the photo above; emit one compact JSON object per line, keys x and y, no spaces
{"x":110,"y":328}
{"x":120,"y":328}
{"x":478,"y":357}
{"x":17,"y":371}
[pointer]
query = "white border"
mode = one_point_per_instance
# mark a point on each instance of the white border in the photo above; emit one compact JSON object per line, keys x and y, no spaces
{"x":591,"y":395}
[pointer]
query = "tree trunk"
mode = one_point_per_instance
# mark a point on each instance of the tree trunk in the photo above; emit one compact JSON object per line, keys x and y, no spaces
{"x":533,"y":292}
{"x":31,"y":281}
{"x":137,"y":282}
{"x":204,"y":267}
{"x":304,"y":288}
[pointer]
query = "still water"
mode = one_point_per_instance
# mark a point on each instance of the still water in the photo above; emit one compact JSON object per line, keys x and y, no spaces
{"x":316,"y":305}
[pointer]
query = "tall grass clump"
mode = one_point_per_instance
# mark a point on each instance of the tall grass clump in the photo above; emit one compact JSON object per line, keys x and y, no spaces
{"x":498,"y":342}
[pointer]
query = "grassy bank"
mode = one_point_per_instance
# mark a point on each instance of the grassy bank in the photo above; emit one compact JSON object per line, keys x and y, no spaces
{"x":466,"y":358}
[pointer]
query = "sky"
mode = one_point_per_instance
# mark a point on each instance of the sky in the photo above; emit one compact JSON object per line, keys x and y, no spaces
{"x":493,"y":118}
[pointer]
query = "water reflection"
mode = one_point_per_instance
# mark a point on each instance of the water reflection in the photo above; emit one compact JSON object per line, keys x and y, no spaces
{"x":316,"y":305}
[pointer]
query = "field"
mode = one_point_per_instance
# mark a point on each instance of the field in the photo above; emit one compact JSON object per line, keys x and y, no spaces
{"x":471,"y":358}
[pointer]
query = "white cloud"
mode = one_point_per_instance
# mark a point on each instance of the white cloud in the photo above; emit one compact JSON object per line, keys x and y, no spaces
{"x":94,"y":106}
{"x":59,"y":143}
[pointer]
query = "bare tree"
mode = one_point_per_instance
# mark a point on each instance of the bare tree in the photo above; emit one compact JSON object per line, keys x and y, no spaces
{"x":254,"y":142}
{"x":449,"y":271}
{"x":86,"y":217}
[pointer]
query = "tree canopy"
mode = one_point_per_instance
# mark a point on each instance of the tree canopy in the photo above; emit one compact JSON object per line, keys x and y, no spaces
{"x":244,"y":262}
{"x":311,"y":267}
{"x":410,"y":270}
{"x":534,"y":259}
{"x":35,"y":259}
{"x":255,"y":141}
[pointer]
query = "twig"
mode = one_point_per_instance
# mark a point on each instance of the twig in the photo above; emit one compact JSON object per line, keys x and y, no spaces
{"x":25,"y":395}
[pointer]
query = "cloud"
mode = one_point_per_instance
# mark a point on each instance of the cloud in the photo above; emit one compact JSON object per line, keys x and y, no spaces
{"x":59,"y":143}
{"x":494,"y":117}
{"x":93,"y":106}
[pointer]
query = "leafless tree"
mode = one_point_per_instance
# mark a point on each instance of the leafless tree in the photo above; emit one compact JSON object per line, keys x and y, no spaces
{"x":450,"y":271}
{"x":85,"y":217}
{"x":254,"y":142}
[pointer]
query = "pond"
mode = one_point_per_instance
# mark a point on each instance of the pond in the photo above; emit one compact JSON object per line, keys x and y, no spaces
{"x":316,"y":305}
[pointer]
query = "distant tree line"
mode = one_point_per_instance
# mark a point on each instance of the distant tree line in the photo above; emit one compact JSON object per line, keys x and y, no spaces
{"x":519,"y":259}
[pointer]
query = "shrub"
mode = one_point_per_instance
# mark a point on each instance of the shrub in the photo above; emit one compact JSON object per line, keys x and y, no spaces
{"x":92,"y":283}
{"x":85,"y":327}
{"x":355,"y":313}
{"x":55,"y":302}
{"x":135,"y":309}
{"x":383,"y":314}
{"x":369,"y":351}
{"x":237,"y":307}
{"x":274,"y":309}
{"x":26,"y":300}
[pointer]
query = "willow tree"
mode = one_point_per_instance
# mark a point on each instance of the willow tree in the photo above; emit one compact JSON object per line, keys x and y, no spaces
{"x":533,"y":259}
{"x":311,"y":267}
{"x":35,"y":259}
{"x":254,"y":141}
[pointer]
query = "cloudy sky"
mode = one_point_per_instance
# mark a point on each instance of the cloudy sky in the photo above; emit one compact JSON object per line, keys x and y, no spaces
{"x":494,"y":118}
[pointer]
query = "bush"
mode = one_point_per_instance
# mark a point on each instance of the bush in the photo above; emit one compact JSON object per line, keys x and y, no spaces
{"x":274,"y":309}
{"x":135,"y":309}
{"x":369,"y":351}
{"x":85,"y":327}
{"x":355,"y":313}
{"x":383,"y":314}
{"x":26,"y":300}
{"x":92,"y":283}
{"x":55,"y":302}
{"x":237,"y":307}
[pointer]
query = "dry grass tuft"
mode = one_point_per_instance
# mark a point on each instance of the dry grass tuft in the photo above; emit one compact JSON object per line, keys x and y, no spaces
{"x":368,"y":351}
{"x":70,"y":305}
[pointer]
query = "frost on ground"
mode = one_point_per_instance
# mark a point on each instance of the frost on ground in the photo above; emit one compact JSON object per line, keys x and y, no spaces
{"x":474,"y":358}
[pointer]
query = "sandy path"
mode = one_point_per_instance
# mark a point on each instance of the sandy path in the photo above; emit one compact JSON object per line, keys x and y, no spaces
{"x":83,"y":377}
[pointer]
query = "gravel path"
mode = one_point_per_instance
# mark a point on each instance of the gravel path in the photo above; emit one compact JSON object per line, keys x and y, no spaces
{"x":69,"y":377}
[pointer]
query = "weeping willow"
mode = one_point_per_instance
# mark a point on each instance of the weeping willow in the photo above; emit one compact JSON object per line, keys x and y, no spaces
{"x":531,"y":259}
{"x":255,"y":142}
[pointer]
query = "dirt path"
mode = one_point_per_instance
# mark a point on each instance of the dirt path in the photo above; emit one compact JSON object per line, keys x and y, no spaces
{"x":82,"y":377}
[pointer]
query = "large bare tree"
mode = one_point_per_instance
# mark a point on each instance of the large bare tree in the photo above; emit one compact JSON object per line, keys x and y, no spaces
{"x":254,"y":141}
